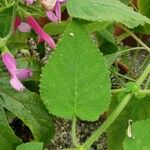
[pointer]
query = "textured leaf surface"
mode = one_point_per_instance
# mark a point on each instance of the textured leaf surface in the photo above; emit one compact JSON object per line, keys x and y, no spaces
{"x":6,"y":17}
{"x":137,"y":109}
{"x":106,"y":10}
{"x":28,"y":107}
{"x":75,"y":81}
{"x":141,"y":132}
{"x":53,"y":28}
{"x":31,"y":146}
{"x":8,"y":140}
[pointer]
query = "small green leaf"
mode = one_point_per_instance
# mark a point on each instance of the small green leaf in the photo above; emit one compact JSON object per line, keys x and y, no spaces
{"x":75,"y":82}
{"x":6,"y":19}
{"x":8,"y":140}
{"x":27,"y":106}
{"x":140,"y":136}
{"x":106,"y":10}
{"x":31,"y":146}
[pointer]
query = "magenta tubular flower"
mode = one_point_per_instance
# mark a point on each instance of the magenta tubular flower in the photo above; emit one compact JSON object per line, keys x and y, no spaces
{"x":43,"y":35}
{"x":55,"y":14}
{"x":15,"y":73}
{"x":17,"y":23}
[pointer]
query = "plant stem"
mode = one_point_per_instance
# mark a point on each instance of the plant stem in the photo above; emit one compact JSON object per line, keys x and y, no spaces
{"x":122,"y":37}
{"x":145,"y":92}
{"x":114,"y":91}
{"x":107,"y":123}
{"x":131,"y":49}
{"x":73,"y":133}
{"x":144,"y":62}
{"x":136,"y":38}
{"x":147,"y":83}
{"x":144,"y":75}
{"x":6,"y":3}
{"x":3,"y":47}
{"x":128,"y":78}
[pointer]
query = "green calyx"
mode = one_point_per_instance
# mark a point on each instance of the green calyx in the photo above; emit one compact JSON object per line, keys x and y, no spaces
{"x":135,"y":89}
{"x":3,"y":47}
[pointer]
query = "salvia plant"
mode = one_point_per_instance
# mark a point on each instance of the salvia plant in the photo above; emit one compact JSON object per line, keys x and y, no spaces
{"x":74,"y":61}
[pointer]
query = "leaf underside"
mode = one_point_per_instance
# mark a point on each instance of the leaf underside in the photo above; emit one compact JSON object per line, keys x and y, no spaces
{"x":106,"y":10}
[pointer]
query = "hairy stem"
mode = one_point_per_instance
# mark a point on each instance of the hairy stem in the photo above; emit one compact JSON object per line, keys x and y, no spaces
{"x":73,"y":133}
{"x":145,"y":92}
{"x":144,"y":75}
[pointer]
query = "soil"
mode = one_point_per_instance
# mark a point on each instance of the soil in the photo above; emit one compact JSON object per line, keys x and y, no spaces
{"x":62,"y":138}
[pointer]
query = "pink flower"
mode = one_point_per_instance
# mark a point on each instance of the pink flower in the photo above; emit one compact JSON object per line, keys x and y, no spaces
{"x":55,"y":13}
{"x":42,"y":34}
{"x":29,"y":1}
{"x":15,"y":73}
{"x":17,"y":23}
{"x":24,"y":27}
{"x":21,"y":26}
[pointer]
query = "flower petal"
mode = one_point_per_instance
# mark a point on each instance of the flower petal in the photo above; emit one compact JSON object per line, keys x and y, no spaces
{"x":16,"y":84}
{"x":50,"y":14}
{"x":24,"y":27}
{"x":9,"y":62}
{"x":58,"y":10}
{"x":23,"y":73}
{"x":36,"y":27}
{"x":17,"y":23}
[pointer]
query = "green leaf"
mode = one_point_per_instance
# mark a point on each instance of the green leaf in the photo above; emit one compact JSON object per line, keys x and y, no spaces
{"x":6,"y":19}
{"x":55,"y":28}
{"x":31,"y":146}
{"x":141,"y":135}
{"x":137,"y":109}
{"x":106,"y":10}
{"x":27,"y":106}
{"x":125,"y":1}
{"x":18,"y":41}
{"x":8,"y":140}
{"x":96,"y":26}
{"x":144,"y":7}
{"x":75,"y":82}
{"x":3,"y":2}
